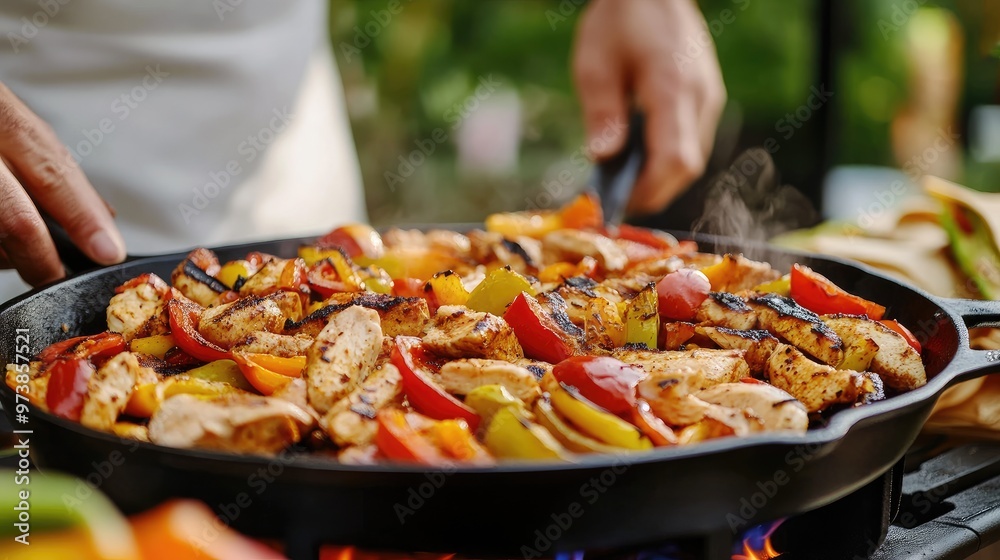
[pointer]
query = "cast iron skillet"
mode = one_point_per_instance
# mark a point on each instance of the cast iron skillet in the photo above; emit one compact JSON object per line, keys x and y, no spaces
{"x":601,"y":501}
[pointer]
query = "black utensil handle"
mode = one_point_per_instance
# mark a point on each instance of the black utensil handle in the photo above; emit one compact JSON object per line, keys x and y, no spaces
{"x":975,"y":312}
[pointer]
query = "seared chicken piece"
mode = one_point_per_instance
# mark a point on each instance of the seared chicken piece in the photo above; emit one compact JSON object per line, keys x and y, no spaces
{"x":460,"y":332}
{"x":773,"y":408}
{"x":672,"y":398}
{"x":195,"y":277}
{"x":603,"y":324}
{"x":450,"y":242}
{"x":816,"y":386}
{"x":522,"y":254}
{"x":461,"y":376}
{"x":400,"y":316}
{"x":281,"y":345}
{"x":236,"y":423}
{"x":872,"y":388}
{"x":266,"y":280}
{"x":297,"y":392}
{"x":138,"y":309}
{"x":342,"y":355}
{"x":896,"y":361}
{"x":359,"y":455}
{"x":290,"y":304}
{"x":573,"y":245}
{"x":351,"y":421}
{"x":736,"y":272}
{"x":578,"y":293}
{"x":722,"y":309}
{"x":537,"y":368}
{"x":703,"y":366}
{"x":109,"y":389}
{"x":757,"y":344}
{"x":799,"y":326}
{"x":229,"y":323}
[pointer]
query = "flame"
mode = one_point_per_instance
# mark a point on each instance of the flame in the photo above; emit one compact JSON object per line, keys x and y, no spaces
{"x":757,"y":543}
{"x":352,"y":553}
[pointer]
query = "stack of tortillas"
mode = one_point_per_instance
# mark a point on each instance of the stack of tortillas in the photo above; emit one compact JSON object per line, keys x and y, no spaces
{"x":910,"y":244}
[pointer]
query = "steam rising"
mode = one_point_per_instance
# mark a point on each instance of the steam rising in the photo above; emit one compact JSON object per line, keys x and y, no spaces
{"x":748,"y":203}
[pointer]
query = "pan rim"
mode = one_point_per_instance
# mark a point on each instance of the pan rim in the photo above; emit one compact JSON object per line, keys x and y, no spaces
{"x":840,"y":424}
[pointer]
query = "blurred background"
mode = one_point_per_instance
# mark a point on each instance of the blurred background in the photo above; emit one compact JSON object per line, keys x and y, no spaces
{"x":903,"y":88}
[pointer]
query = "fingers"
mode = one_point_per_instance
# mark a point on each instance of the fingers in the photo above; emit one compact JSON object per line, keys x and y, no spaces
{"x":56,"y":182}
{"x":675,"y":155}
{"x":601,"y":83}
{"x":23,"y":235}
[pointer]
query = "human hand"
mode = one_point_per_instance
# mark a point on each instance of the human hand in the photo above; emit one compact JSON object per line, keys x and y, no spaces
{"x":638,"y":48}
{"x":35,"y":168}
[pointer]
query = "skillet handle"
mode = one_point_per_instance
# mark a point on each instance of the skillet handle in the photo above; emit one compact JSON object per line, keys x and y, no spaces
{"x":968,"y":363}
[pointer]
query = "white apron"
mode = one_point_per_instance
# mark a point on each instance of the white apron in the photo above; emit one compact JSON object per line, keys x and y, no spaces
{"x":201,"y":122}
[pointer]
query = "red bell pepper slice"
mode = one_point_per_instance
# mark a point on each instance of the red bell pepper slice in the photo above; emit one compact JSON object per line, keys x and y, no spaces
{"x":425,"y":395}
{"x":644,"y":236}
{"x":98,"y":348}
{"x":184,"y":317}
{"x":67,"y":386}
{"x":904,"y":332}
{"x":538,"y":333}
{"x":604,"y":381}
{"x":821,"y":296}
{"x":398,"y":439}
{"x":323,"y":279}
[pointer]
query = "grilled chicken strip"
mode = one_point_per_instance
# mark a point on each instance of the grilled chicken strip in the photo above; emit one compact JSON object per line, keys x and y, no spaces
{"x":896,"y":361}
{"x":195,"y":277}
{"x":351,"y":421}
{"x":722,"y":309}
{"x":774,"y":409}
{"x":462,"y":376}
{"x":236,"y":423}
{"x":537,"y":368}
{"x":573,"y":245}
{"x":400,"y":316}
{"x":603,"y":325}
{"x":799,"y":326}
{"x":297,"y":392}
{"x":672,"y":397}
{"x":109,"y":389}
{"x":342,"y":356}
{"x":266,"y":279}
{"x":757,"y":344}
{"x":816,"y":386}
{"x":703,"y":367}
{"x":138,"y":309}
{"x":230,"y":323}
{"x":282,"y":345}
{"x":460,"y":332}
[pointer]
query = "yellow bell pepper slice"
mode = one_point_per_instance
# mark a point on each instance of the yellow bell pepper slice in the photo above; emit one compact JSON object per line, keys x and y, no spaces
{"x":597,"y":423}
{"x":147,"y":397}
{"x":782,"y":286}
{"x":157,"y":345}
{"x":531,"y":224}
{"x":448,"y":289}
{"x":487,"y":400}
{"x":232,"y":271}
{"x":313,"y":255}
{"x":144,"y":401}
{"x":642,"y":318}
{"x":569,"y":436}
{"x":511,"y":435}
{"x":497,"y":290}
{"x":225,"y":371}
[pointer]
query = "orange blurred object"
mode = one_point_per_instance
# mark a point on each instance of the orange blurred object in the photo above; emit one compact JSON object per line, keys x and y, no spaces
{"x":188,"y":529}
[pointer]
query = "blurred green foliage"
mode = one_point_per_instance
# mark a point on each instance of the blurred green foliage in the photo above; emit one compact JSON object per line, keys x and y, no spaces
{"x":404,"y":76}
